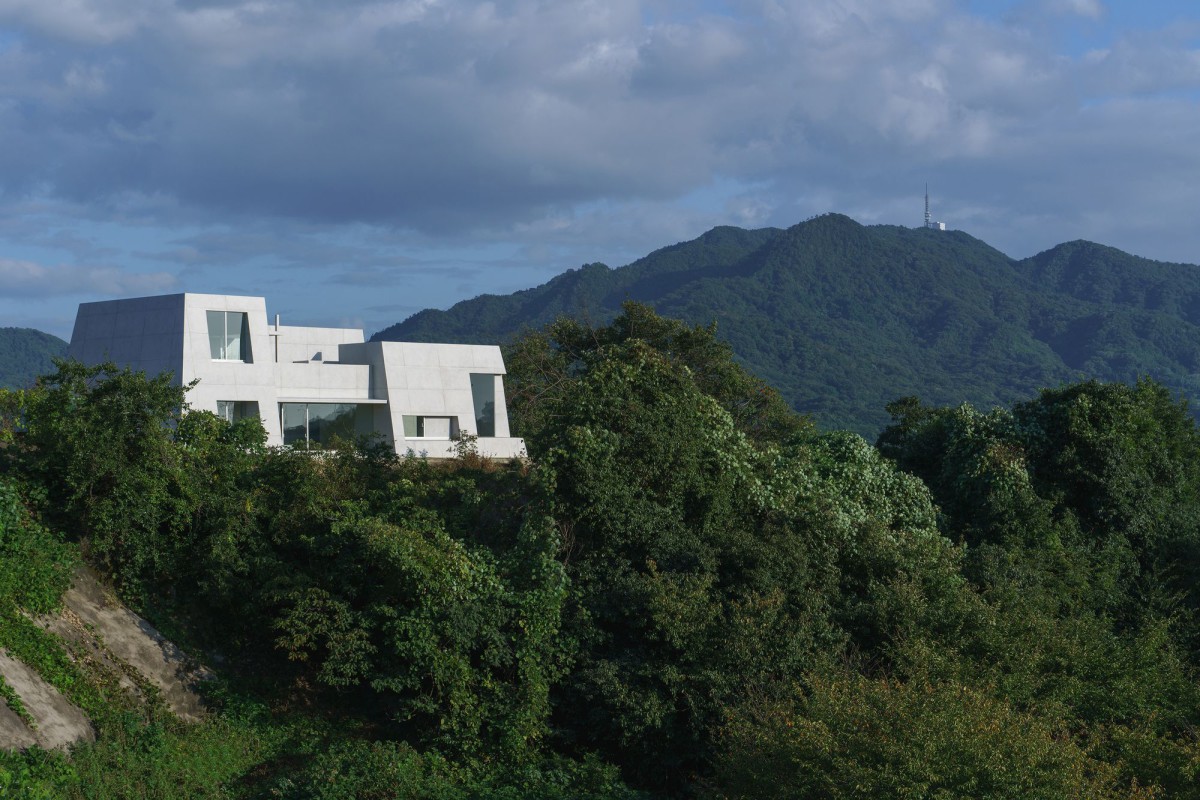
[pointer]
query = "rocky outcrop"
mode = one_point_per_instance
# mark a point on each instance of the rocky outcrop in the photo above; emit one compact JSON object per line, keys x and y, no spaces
{"x":55,"y":721}
{"x":95,"y":626}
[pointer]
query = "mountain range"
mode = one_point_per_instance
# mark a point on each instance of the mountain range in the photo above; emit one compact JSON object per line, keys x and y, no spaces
{"x":842,"y":318}
{"x":25,"y":353}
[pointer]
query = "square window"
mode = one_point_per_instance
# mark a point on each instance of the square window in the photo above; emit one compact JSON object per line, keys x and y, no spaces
{"x":430,"y":427}
{"x":229,"y":335}
{"x":233,"y":410}
{"x":414,"y":427}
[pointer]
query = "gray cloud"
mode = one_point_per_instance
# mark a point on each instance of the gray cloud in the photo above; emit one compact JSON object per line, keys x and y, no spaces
{"x":452,"y":116}
{"x":367,"y":137}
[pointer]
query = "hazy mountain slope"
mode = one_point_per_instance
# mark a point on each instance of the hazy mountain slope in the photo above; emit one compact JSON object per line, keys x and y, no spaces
{"x":25,"y":353}
{"x":1110,"y":314}
{"x":843,"y":318}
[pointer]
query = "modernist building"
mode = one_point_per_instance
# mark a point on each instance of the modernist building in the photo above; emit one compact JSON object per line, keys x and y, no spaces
{"x":307,"y":385}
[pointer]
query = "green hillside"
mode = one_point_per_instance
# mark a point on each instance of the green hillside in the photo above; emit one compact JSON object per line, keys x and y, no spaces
{"x":843,"y":318}
{"x":25,"y":354}
{"x":686,"y":593}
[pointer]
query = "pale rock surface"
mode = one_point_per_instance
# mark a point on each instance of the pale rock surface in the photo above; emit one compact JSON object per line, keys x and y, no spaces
{"x":58,"y":723}
{"x":98,"y":628}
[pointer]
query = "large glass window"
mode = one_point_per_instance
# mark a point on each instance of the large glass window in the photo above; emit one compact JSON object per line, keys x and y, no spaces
{"x":229,"y":335}
{"x":294,"y":418}
{"x":314,"y":425}
{"x":483,"y":392}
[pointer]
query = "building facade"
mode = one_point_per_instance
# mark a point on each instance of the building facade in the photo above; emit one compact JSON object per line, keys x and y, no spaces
{"x":307,"y":385}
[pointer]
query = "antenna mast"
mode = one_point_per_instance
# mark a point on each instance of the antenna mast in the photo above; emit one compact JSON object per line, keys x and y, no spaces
{"x":929,"y":223}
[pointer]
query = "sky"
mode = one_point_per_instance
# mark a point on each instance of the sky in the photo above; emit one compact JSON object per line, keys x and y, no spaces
{"x":357,"y":161}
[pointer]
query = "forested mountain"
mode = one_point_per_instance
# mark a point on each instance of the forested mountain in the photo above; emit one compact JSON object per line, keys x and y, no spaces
{"x":842,"y":318}
{"x":25,"y":354}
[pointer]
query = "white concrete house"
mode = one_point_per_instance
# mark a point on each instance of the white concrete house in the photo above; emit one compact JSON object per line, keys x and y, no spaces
{"x":306,"y":384}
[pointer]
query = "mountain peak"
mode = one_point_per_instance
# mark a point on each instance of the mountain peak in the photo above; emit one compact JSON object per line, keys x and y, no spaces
{"x":831,"y":220}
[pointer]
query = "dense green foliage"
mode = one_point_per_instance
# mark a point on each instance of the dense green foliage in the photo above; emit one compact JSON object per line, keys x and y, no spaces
{"x":35,"y":564}
{"x":25,"y":354}
{"x":842,"y":318}
{"x":857,"y":737}
{"x":688,"y":591}
{"x":546,"y":364}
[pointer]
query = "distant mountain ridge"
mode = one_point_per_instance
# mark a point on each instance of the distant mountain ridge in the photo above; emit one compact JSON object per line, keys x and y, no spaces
{"x":25,"y":353}
{"x":843,"y":318}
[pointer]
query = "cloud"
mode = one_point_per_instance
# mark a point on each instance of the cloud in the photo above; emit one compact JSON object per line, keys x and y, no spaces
{"x":1156,"y":63}
{"x":32,"y":280}
{"x":89,"y":22}
{"x":542,"y":121}
{"x":446,"y":117}
{"x":281,"y":244}
{"x":1090,"y":9}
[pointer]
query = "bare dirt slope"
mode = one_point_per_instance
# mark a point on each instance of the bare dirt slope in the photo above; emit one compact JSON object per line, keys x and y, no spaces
{"x":95,"y":626}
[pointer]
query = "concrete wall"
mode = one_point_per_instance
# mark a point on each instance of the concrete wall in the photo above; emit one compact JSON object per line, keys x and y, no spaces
{"x":314,"y":344}
{"x":252,"y":381}
{"x":434,"y":380}
{"x":318,"y":381}
{"x":143,"y":333}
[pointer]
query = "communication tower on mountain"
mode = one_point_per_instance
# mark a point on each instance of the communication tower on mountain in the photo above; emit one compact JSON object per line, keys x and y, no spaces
{"x":929,"y":223}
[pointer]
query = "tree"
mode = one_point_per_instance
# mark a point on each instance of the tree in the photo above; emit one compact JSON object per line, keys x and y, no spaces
{"x":543,"y":366}
{"x":854,"y":737}
{"x":706,"y":567}
{"x":99,"y":439}
{"x":1080,"y":512}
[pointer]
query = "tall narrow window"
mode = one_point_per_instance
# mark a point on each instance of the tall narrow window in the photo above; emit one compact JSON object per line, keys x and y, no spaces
{"x":414,"y":427}
{"x":483,"y":393}
{"x":229,"y":335}
{"x":295,"y":423}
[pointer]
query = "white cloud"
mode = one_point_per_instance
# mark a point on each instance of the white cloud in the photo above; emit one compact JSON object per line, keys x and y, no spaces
{"x":1144,"y":64}
{"x":20,"y":278}
{"x":1090,"y":9}
{"x":79,"y":21}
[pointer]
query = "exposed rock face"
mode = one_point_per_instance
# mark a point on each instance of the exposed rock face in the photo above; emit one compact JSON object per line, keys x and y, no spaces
{"x":96,"y":626}
{"x":14,"y":733}
{"x":57,"y":723}
{"x":135,"y":643}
